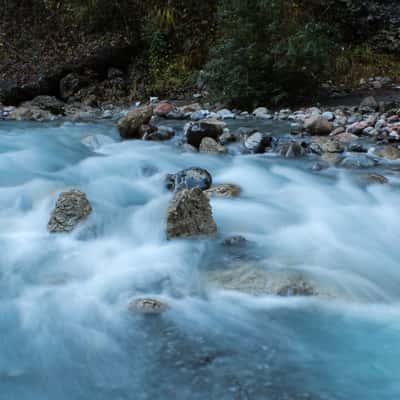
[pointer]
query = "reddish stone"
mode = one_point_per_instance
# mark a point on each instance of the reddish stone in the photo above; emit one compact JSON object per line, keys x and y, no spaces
{"x":162,"y":109}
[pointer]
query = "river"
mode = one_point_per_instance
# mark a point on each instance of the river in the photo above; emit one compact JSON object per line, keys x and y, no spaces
{"x":65,"y":329}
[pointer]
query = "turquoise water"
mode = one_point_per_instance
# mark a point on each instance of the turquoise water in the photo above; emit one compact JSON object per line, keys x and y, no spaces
{"x":66,"y":332}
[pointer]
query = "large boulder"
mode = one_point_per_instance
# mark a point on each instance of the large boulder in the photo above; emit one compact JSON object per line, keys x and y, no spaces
{"x":195,"y":132}
{"x":190,"y":214}
{"x":316,"y":124}
{"x":129,"y":126}
{"x":189,"y":178}
{"x":71,"y":208}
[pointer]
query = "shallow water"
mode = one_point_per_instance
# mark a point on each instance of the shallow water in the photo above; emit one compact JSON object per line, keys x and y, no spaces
{"x":66,"y":332}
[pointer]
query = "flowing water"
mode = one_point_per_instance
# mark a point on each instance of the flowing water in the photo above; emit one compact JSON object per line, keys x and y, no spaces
{"x":66,"y":332}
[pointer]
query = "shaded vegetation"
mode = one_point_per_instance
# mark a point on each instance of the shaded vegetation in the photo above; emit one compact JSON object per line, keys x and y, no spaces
{"x":252,"y":51}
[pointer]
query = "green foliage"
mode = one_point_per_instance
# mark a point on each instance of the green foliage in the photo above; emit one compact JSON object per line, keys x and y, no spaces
{"x":268,"y":50}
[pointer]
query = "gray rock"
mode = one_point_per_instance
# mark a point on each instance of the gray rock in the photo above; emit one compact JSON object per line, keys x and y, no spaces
{"x":318,"y":125}
{"x":129,"y":125}
{"x":257,"y":142}
{"x":209,"y":145}
{"x":189,"y":214}
{"x":71,"y":208}
{"x":189,"y":178}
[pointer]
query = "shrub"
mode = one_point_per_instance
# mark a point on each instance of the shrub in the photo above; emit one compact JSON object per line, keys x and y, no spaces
{"x":268,"y":50}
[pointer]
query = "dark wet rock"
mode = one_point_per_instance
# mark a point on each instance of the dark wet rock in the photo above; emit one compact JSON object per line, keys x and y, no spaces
{"x":257,"y":142}
{"x":358,"y":160}
{"x":161,"y":134}
{"x":388,"y":152}
{"x":196,"y":132}
{"x":377,"y":178}
{"x":357,"y":148}
{"x":226,"y":190}
{"x":147,"y":306}
{"x":291,"y":150}
{"x":189,"y":178}
{"x":49,"y":103}
{"x":209,"y":145}
{"x":369,"y":104}
{"x":70,"y":84}
{"x":234,"y":241}
{"x":163,"y":109}
{"x":129,"y":126}
{"x":229,"y":137}
{"x":189,"y":214}
{"x":317,"y":125}
{"x":71,"y":208}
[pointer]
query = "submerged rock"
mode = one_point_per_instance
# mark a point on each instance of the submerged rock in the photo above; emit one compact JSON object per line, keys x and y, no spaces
{"x":258,"y":281}
{"x":377,"y":178}
{"x":129,"y":127}
{"x":189,"y":178}
{"x":227,"y":190}
{"x":71,"y":208}
{"x":189,"y":214}
{"x":147,"y":306}
{"x":234,"y":241}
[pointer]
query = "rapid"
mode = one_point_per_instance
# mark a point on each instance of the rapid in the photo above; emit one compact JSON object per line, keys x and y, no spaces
{"x":66,"y":332}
